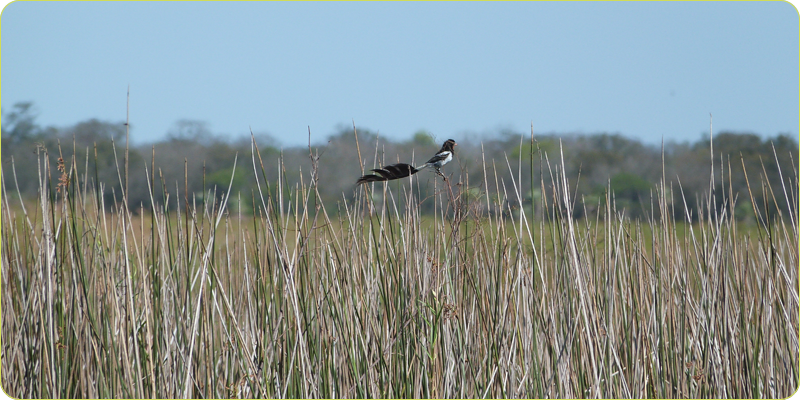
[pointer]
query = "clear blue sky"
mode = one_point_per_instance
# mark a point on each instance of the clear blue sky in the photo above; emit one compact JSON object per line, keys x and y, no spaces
{"x":644,"y":70}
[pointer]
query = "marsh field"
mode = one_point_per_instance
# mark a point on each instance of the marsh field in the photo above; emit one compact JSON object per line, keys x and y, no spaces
{"x":488,"y":293}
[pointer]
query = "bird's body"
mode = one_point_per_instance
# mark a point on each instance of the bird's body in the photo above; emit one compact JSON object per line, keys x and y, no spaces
{"x":442,"y":157}
{"x":401,"y":170}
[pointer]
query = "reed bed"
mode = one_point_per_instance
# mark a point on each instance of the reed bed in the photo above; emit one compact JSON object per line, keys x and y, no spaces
{"x":369,"y":298}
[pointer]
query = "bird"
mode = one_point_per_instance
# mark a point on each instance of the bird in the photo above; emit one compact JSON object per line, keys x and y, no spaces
{"x":401,"y":170}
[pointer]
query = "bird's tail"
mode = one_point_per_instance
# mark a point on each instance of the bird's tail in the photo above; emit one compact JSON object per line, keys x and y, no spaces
{"x":388,"y":173}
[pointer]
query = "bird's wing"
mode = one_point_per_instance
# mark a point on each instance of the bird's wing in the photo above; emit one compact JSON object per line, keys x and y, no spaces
{"x":439,"y":157}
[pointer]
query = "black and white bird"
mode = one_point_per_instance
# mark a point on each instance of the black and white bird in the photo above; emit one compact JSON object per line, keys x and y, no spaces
{"x":400,"y":170}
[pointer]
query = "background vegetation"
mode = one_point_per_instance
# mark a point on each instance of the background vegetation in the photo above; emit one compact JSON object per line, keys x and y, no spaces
{"x":192,"y":155}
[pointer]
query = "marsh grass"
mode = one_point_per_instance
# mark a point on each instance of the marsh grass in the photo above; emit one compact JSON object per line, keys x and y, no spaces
{"x":369,"y":298}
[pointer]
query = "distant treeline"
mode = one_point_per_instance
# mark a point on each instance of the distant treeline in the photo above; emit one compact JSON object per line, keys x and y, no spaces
{"x":191,"y":156}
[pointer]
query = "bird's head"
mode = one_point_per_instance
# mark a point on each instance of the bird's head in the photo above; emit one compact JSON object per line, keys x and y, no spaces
{"x":448,"y":145}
